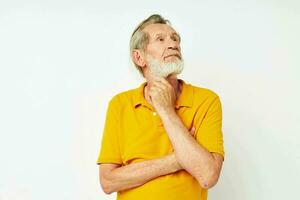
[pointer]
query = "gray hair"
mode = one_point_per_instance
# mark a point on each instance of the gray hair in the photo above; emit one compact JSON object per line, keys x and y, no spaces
{"x":139,"y":39}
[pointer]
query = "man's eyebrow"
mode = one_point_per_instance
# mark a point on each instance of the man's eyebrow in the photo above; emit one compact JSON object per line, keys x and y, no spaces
{"x":176,"y":34}
{"x":161,"y":34}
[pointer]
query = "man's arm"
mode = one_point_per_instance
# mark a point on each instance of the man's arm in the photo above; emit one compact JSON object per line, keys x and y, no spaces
{"x":204,"y":166}
{"x":193,"y":157}
{"x":121,"y":178}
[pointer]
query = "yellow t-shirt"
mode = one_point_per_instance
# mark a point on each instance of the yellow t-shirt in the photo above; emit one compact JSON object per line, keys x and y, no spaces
{"x":134,"y":132}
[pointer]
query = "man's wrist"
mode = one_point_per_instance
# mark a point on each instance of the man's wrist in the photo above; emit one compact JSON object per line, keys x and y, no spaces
{"x":166,"y":114}
{"x":174,"y":165}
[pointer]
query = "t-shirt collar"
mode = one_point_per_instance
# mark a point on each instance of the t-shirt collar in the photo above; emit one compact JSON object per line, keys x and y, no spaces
{"x":185,"y":99}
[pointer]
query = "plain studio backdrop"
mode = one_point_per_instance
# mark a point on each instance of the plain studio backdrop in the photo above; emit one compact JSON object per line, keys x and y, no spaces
{"x":61,"y":62}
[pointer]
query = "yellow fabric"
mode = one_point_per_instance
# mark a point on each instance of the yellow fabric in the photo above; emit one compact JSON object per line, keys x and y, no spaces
{"x":133,"y":132}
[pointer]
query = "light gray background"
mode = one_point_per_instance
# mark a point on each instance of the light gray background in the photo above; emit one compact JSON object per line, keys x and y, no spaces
{"x":61,"y":61}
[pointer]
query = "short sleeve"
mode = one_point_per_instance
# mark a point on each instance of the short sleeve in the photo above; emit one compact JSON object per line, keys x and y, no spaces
{"x":210,"y":134}
{"x":110,"y":149}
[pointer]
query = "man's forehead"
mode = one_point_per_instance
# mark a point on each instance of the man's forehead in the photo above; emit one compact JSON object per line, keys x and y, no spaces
{"x":159,"y":29}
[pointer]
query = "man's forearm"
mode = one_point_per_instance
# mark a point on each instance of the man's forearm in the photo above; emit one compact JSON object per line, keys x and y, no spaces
{"x":137,"y":174}
{"x":194,"y":158}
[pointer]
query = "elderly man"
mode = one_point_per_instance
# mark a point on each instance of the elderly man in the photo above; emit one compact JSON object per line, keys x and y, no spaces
{"x":162,"y":140}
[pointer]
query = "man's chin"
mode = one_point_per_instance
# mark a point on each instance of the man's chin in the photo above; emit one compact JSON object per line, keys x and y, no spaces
{"x":168,"y":75}
{"x":169,"y":68}
{"x":172,"y":76}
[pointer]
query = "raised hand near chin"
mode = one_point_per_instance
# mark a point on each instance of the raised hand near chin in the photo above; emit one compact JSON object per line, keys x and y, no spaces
{"x":162,"y":96}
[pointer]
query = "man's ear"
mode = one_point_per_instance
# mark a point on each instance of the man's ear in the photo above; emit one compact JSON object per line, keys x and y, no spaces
{"x":138,"y":58}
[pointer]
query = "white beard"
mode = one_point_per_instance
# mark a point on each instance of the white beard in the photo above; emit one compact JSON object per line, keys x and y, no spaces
{"x":164,"y":69}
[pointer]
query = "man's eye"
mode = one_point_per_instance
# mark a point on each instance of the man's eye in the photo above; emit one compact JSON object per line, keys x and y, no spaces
{"x":160,"y":39}
{"x":175,"y":39}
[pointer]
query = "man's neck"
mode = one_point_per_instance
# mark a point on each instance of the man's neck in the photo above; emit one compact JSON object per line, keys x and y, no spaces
{"x":177,"y":85}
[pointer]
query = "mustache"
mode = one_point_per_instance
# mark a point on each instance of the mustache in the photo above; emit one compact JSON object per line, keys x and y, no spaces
{"x":175,"y":54}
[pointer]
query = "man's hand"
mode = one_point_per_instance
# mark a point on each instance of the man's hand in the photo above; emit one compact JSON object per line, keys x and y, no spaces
{"x":163,"y":96}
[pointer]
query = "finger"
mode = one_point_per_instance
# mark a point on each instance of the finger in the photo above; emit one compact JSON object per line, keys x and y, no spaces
{"x":160,"y":85}
{"x":148,"y":93}
{"x":155,"y":91}
{"x":162,"y":81}
{"x":165,"y":82}
{"x":157,"y":78}
{"x":192,"y":131}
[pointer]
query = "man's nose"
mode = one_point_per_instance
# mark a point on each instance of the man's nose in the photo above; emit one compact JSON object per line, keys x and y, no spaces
{"x":174,"y":45}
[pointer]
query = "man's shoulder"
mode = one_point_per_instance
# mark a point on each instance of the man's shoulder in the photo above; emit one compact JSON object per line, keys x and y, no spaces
{"x":204,"y":97}
{"x":203,"y":92}
{"x":125,"y":97}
